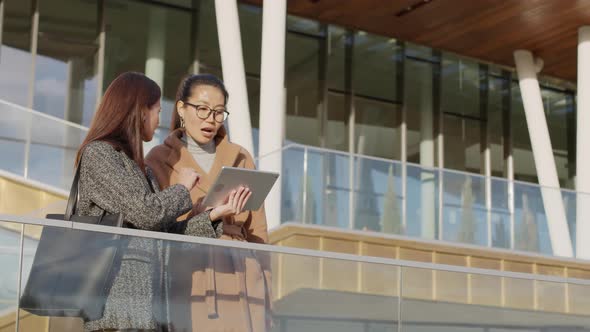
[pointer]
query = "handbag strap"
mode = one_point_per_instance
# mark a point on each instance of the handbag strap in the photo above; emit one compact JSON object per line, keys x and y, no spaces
{"x":73,"y":199}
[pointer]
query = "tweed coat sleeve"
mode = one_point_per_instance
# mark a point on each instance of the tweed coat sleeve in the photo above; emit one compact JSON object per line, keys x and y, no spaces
{"x":112,"y":186}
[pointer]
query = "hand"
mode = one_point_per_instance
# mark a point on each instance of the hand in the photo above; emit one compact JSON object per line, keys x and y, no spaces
{"x":188,"y":177}
{"x":234,"y":204}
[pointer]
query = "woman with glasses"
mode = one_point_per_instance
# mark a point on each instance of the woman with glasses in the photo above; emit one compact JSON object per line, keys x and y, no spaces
{"x":220,"y":290}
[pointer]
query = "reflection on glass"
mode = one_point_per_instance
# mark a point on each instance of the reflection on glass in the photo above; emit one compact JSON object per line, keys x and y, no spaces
{"x":522,"y":151}
{"x":337,"y":126}
{"x":560,"y":111}
{"x":208,"y":43}
{"x":9,"y":256}
{"x":302,"y":79}
{"x":308,"y":293}
{"x":422,"y":202}
{"x":340,"y":40}
{"x":251,"y":32}
{"x":418,"y":100}
{"x":65,"y":77}
{"x":139,"y":39}
{"x":302,"y":24}
{"x":500,"y":214}
{"x":497,"y":108}
{"x":377,"y":128}
{"x":14,"y":129}
{"x":435,"y":300}
{"x":465,"y":213}
{"x":15,"y":56}
{"x":462,"y":114}
{"x":530,"y":221}
{"x":293,"y":185}
{"x":375,"y":66}
{"x":378,"y":196}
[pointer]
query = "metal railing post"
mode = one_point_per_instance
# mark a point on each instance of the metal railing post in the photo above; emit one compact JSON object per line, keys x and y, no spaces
{"x":305,"y":184}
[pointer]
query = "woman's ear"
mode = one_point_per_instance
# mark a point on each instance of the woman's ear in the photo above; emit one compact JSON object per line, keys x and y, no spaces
{"x":180,"y":108}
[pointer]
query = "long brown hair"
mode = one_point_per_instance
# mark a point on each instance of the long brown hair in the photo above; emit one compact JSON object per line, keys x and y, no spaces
{"x":118,"y":120}
{"x":186,"y":88}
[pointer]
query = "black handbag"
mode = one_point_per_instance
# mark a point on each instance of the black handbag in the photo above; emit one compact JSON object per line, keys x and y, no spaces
{"x":73,"y":270}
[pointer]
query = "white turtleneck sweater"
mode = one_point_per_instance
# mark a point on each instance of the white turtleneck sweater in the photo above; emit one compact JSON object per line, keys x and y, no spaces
{"x":204,"y":155}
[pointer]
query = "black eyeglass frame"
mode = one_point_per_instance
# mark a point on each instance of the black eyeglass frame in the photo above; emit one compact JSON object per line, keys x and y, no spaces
{"x":211,"y":110}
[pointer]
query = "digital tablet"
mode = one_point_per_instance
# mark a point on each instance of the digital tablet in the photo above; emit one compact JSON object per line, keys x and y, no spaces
{"x":231,"y":178}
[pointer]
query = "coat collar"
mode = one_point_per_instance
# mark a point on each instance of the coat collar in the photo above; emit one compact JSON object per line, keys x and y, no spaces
{"x":179,"y":157}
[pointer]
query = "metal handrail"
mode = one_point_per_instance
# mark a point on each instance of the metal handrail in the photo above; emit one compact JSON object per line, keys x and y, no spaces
{"x":286,"y":250}
{"x":43,"y":115}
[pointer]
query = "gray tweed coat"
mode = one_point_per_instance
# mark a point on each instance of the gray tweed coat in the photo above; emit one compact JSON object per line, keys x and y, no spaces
{"x":111,"y":181}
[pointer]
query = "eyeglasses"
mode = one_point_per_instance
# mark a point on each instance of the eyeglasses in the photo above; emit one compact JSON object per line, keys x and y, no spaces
{"x":204,"y":112}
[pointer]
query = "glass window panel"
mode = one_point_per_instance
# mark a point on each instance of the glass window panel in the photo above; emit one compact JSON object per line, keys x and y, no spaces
{"x":337,"y":135}
{"x":301,"y":24}
{"x":308,"y":293}
{"x":435,"y":300}
{"x":65,"y":69}
{"x":422,"y":208}
{"x":418,"y":101}
{"x":375,"y":66}
{"x":462,"y":114}
{"x":302,"y":77}
{"x":498,"y":92}
{"x":500,"y":214}
{"x":465,"y":214}
{"x":462,"y":144}
{"x":293,"y":185}
{"x":208,"y":42}
{"x":530,"y":220}
{"x":9,"y":257}
{"x":377,"y":128}
{"x":140,"y":34}
{"x":253,"y":87}
{"x":15,"y":52}
{"x":339,"y":41}
{"x":251,"y":32}
{"x":460,"y":86}
{"x":378,"y":196}
{"x":13,"y":138}
{"x":560,"y":111}
{"x":522,"y":152}
{"x":420,"y":52}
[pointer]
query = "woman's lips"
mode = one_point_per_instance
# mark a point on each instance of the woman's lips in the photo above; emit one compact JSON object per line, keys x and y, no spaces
{"x":207,"y":133}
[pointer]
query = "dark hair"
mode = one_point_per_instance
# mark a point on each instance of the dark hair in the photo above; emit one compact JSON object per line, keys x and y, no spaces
{"x":118,"y":120}
{"x":186,"y":87}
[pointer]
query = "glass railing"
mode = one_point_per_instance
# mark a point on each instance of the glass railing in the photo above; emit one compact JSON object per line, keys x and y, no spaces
{"x":342,"y":190}
{"x":338,"y":189}
{"x":38,"y":147}
{"x":309,"y":291}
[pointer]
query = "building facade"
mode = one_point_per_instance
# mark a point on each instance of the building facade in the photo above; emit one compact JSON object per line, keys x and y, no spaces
{"x":346,"y":90}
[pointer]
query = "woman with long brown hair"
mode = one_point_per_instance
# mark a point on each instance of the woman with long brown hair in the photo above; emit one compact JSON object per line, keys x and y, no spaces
{"x":114,"y":179}
{"x":231,"y":292}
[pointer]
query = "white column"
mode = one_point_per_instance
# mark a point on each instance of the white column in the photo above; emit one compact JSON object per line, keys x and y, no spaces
{"x":156,"y":48}
{"x":582,"y":142}
{"x":428,"y":192}
{"x":234,"y":74}
{"x":156,"y":57}
{"x":100,"y":54}
{"x":272,"y":99}
{"x":543,"y":153}
{"x":75,"y":94}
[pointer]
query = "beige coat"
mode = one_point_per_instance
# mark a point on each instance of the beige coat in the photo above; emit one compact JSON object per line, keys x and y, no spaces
{"x":228,"y":290}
